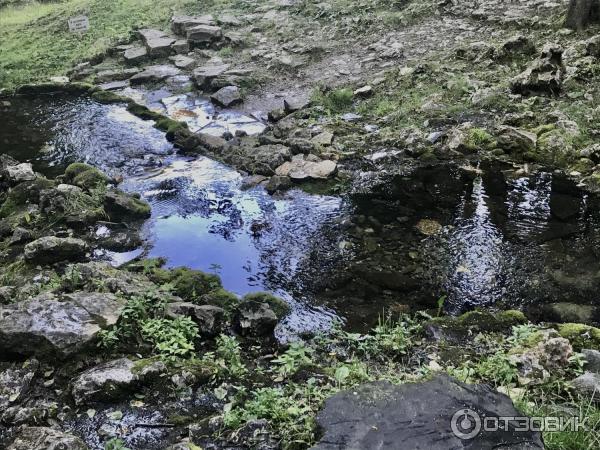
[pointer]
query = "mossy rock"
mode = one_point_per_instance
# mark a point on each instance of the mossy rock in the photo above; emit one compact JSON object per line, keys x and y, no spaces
{"x":170,"y":127}
{"x":191,"y":285}
{"x":121,"y":206}
{"x":107,"y":97}
{"x":142,"y":112}
{"x":277,"y":305}
{"x":85,"y":176}
{"x":221,"y":298}
{"x":581,"y":336}
{"x":28,"y":90}
{"x":24,"y":193}
{"x":458,"y":328}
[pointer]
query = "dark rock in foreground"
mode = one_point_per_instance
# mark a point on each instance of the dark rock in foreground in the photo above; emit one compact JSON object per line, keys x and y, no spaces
{"x":417,"y":416}
{"x":42,"y":438}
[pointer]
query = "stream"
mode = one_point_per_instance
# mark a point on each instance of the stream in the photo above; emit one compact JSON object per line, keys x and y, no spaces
{"x":500,"y":237}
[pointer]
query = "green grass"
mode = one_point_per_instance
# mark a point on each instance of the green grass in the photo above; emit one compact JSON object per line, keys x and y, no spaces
{"x":35,"y":42}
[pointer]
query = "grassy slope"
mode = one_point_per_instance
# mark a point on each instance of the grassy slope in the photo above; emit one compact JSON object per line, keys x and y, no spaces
{"x":35,"y":43}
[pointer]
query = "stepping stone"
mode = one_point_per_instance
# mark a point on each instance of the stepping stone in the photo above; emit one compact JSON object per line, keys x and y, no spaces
{"x":148,"y":34}
{"x":160,"y":46}
{"x":204,"y":34}
{"x":183,"y":62}
{"x":204,"y":75}
{"x":181,"y":46}
{"x":180,"y":24}
{"x":227,"y":96}
{"x":135,"y":55}
{"x":155,"y":73}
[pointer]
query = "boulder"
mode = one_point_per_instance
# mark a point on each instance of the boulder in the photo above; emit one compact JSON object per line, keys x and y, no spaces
{"x":210,"y":319}
{"x":47,"y":326}
{"x":203,"y":76}
{"x":160,"y":46}
{"x":183,"y":62}
{"x":51,"y":249}
{"x":516,"y":140}
{"x":155,"y":73}
{"x":203,"y":34}
{"x":44,"y":438}
{"x":181,"y":46}
{"x":121,"y":206}
{"x":434,"y":415}
{"x":542,"y":76}
{"x":19,"y":173}
{"x":278,"y":183}
{"x":588,"y":385}
{"x":227,"y":96}
{"x":135,"y":55}
{"x":254,"y":318}
{"x":593,"y":360}
{"x":110,"y":380}
{"x":302,"y":168}
{"x":180,"y":24}
{"x":293,"y":104}
{"x":325,"y":138}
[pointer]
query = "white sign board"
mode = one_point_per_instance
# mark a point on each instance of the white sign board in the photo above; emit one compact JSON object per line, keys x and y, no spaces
{"x":79,"y":24}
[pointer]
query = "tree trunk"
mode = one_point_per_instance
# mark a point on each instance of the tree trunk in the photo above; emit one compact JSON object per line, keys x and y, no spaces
{"x":582,"y":13}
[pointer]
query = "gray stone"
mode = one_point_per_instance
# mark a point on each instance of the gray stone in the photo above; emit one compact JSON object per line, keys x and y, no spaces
{"x":114,"y":85}
{"x":210,"y":319}
{"x":203,"y":34}
{"x":155,"y":73}
{"x":542,"y":76}
{"x":116,"y":75}
{"x":294,"y":104}
{"x":516,"y":140}
{"x":254,"y":318}
{"x":365,"y":91}
{"x":15,"y":383}
{"x":183,"y":62}
{"x":588,"y":385}
{"x":203,"y":76}
{"x":110,"y":380}
{"x":19,"y":173}
{"x":381,"y":415}
{"x":147,"y":34}
{"x":160,"y":46}
{"x":119,"y":206}
{"x":564,"y":312}
{"x":21,"y":236}
{"x":325,"y":138}
{"x":105,"y":308}
{"x":227,"y":96}
{"x":181,"y":46}
{"x":44,"y":438}
{"x":51,"y":249}
{"x":278,"y":183}
{"x":180,"y":24}
{"x":45,"y":326}
{"x":301,"y":168}
{"x":135,"y":55}
{"x":593,"y":360}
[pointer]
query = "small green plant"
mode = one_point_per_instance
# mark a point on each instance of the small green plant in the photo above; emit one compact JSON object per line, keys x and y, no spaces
{"x":336,"y":101}
{"x":115,"y":444}
{"x":294,"y":357}
{"x":497,"y":368}
{"x":391,"y":337}
{"x":171,"y":338}
{"x":227,"y":357}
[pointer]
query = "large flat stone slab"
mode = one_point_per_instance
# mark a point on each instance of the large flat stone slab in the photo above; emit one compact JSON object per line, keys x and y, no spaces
{"x":381,"y":415}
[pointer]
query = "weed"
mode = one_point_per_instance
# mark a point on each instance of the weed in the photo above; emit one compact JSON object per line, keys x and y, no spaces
{"x":171,"y":338}
{"x":336,"y":101}
{"x":293,"y":358}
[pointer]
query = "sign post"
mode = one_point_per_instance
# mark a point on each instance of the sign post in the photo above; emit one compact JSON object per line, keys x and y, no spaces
{"x":79,"y":24}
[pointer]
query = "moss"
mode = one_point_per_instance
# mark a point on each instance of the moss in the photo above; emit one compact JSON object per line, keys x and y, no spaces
{"x":478,"y":321}
{"x":119,"y":206}
{"x":581,"y":336}
{"x":222,"y":298}
{"x":191,"y":285}
{"x":180,"y":420}
{"x":141,"y":364}
{"x":202,"y":370}
{"x":142,"y":112}
{"x":170,"y":127}
{"x":279,"y":307}
{"x":479,"y":138}
{"x":107,"y":97}
{"x":90,"y":179}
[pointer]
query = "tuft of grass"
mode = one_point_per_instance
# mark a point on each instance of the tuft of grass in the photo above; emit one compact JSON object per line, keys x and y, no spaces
{"x":335,"y":102}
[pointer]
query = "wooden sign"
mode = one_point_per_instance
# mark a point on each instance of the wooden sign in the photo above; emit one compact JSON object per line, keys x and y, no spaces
{"x":79,"y":24}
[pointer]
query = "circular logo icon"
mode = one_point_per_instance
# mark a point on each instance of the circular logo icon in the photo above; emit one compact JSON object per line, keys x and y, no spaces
{"x":466,"y":424}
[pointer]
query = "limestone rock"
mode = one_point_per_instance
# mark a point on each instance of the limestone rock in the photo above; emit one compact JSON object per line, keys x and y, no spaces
{"x":183,"y":62}
{"x":135,"y":55}
{"x":543,"y":76}
{"x":46,"y":326}
{"x":119,"y":205}
{"x":19,"y":173}
{"x":325,"y":138}
{"x":227,"y":96}
{"x":417,"y":415}
{"x":180,"y":24}
{"x":516,"y":140}
{"x":210,"y":319}
{"x":588,"y":385}
{"x":51,"y":249}
{"x":301,"y":168}
{"x":203,"y":76}
{"x":181,"y":46}
{"x":44,"y":438}
{"x":159,"y":46}
{"x":203,"y":34}
{"x":253,"y":318}
{"x":155,"y":73}
{"x":593,"y":360}
{"x":15,"y":383}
